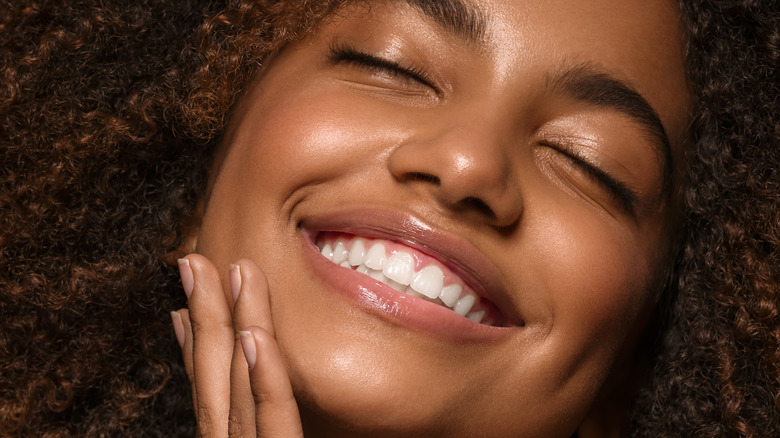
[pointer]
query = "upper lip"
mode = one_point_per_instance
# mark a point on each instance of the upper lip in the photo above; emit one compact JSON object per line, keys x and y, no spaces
{"x":459,"y":255}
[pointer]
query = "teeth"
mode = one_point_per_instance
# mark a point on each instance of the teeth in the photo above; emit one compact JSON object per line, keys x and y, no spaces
{"x":327,"y":251}
{"x":397,"y":271}
{"x":340,"y":253}
{"x":429,"y":281}
{"x":476,"y":316}
{"x":464,"y":305}
{"x":375,"y":259}
{"x":450,"y":294}
{"x":396,"y":285}
{"x":377,"y":275}
{"x":357,"y":253}
{"x":400,"y":267}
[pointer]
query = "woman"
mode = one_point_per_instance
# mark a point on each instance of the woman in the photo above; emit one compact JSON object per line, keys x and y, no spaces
{"x":545,"y":184}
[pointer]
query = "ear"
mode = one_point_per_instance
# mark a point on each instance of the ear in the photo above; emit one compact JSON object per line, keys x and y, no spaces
{"x":190,"y":229}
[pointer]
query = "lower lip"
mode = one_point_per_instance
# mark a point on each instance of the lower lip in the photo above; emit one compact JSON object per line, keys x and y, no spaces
{"x":397,"y":308}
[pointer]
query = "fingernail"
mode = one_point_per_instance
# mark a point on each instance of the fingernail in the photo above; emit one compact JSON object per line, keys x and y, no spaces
{"x":178,"y":328}
{"x":235,"y":282}
{"x":187,"y":280}
{"x":248,"y":345}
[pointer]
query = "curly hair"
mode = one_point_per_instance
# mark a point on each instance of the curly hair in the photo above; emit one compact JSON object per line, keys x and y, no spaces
{"x":110,"y":113}
{"x":717,"y":372}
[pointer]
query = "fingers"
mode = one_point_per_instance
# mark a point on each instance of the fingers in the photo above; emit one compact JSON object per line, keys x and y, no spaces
{"x":249,"y":290}
{"x":251,"y":297}
{"x":212,"y":342}
{"x":183,"y":330}
{"x":276,"y":412}
{"x":242,"y":412}
{"x":247,"y":370}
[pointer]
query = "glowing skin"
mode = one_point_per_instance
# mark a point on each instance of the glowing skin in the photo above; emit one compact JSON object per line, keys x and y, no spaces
{"x":464,"y":158}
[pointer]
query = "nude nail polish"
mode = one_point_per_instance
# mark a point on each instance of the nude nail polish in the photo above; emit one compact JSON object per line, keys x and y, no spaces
{"x":248,"y":345}
{"x":235,"y":282}
{"x":187,"y":279}
{"x":178,"y":328}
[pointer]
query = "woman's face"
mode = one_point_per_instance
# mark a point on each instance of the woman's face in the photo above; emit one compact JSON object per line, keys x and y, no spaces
{"x":509,"y":157}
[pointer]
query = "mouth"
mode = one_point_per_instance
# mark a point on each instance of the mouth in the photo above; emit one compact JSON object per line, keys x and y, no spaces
{"x":408,"y":271}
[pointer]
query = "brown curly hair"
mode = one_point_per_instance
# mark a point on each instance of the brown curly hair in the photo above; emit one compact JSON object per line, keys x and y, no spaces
{"x":110,"y":112}
{"x":717,"y":371}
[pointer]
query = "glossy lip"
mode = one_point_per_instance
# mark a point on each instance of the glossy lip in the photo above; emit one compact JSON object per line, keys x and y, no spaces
{"x":458,"y":255}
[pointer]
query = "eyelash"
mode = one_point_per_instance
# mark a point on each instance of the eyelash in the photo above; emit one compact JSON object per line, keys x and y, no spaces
{"x":619,"y":191}
{"x":342,"y":53}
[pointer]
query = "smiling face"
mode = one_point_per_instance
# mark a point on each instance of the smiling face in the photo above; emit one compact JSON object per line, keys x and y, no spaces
{"x":512,"y":160}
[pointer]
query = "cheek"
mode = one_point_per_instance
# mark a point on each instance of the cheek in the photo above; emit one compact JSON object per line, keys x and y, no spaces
{"x":297,"y":141}
{"x":593,"y":276}
{"x":303,"y":138}
{"x":285,"y":141}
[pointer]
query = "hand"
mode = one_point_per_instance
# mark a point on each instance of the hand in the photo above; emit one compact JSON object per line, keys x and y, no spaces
{"x":240,"y":387}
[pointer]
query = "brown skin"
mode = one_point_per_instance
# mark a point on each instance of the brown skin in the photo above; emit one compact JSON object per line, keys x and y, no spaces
{"x":575,"y":273}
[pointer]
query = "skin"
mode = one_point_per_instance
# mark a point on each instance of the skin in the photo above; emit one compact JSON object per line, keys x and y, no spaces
{"x":474,"y":150}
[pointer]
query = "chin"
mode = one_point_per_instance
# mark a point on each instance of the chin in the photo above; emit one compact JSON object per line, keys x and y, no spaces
{"x":342,"y":402}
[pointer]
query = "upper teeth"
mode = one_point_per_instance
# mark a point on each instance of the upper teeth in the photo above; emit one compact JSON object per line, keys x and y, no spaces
{"x":397,"y":271}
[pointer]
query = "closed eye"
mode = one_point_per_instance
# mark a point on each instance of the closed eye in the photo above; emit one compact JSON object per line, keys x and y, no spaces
{"x":345,"y":54}
{"x":626,"y":198}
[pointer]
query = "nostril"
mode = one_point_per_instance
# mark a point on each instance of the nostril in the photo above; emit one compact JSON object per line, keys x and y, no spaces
{"x":479,"y":205}
{"x":422,"y":176}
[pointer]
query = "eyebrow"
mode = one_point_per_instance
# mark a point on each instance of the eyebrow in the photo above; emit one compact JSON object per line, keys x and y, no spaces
{"x":591,"y":85}
{"x":464,"y":20}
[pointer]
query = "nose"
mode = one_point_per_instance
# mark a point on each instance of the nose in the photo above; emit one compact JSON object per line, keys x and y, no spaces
{"x":467,"y":171}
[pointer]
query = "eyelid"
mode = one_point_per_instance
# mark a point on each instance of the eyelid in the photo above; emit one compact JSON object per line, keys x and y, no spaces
{"x":620,"y":191}
{"x":344,"y":53}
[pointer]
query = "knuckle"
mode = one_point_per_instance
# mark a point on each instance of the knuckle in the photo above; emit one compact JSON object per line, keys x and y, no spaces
{"x":235,"y":428}
{"x":217,"y":327}
{"x":262,"y":398}
{"x":268,"y":398}
{"x":205,"y":422}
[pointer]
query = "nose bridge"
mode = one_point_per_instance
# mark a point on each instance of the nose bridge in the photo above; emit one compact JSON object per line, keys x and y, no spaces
{"x":466,"y":163}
